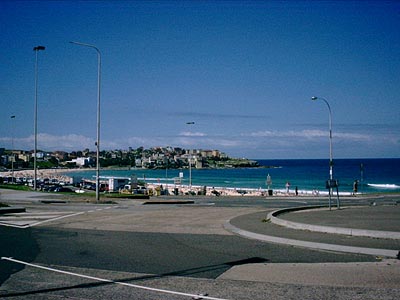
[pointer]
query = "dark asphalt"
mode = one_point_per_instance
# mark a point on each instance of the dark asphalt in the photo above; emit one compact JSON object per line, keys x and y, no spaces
{"x":202,"y":256}
{"x":199,"y":257}
{"x":380,"y":217}
{"x":373,"y":217}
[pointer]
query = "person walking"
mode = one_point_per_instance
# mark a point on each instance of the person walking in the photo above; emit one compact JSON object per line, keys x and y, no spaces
{"x":355,"y":187}
{"x":287,"y":187}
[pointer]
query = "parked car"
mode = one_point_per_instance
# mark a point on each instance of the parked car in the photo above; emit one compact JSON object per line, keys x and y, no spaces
{"x":140,"y":190}
{"x":89,"y":186}
{"x":52,"y":188}
{"x":103,"y":187}
{"x":62,"y":189}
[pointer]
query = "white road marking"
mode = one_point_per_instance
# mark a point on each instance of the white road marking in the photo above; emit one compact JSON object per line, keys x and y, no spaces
{"x":111,"y":281}
{"x":37,"y":213}
{"x":26,"y":220}
{"x":296,"y":201}
{"x":30,"y":217}
{"x":30,"y":221}
{"x":15,"y":224}
{"x":58,"y":218}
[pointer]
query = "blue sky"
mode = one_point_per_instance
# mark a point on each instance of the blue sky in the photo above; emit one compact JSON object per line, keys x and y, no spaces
{"x":243,"y":71}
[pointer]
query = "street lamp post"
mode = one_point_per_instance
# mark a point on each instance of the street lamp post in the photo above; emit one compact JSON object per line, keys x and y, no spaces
{"x":12,"y":148}
{"x":330,"y":151}
{"x":36,"y":49}
{"x":190,"y":163}
{"x":190,"y":171}
{"x":98,"y":114}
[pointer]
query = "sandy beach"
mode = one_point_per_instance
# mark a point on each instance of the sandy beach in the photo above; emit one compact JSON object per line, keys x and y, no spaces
{"x":42,"y":173}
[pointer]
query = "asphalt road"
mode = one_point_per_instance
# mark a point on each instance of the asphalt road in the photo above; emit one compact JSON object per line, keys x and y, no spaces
{"x":140,"y":244}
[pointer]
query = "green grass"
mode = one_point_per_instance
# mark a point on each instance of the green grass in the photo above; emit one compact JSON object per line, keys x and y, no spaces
{"x":16,"y":187}
{"x":126,"y":196}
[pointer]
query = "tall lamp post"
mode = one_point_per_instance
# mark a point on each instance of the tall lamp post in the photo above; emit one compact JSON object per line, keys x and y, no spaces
{"x":190,"y":163}
{"x":36,"y":49}
{"x":12,"y":148}
{"x":330,"y":151}
{"x":98,"y":114}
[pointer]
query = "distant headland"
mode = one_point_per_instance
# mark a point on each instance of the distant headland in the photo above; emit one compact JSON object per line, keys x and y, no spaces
{"x":151,"y":158}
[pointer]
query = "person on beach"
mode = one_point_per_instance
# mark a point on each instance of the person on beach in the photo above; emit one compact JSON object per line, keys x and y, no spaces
{"x":287,"y":187}
{"x":355,"y":187}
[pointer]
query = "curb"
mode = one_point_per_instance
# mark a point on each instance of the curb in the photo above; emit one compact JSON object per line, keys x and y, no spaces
{"x":272,"y":216}
{"x":169,"y":202}
{"x":312,"y":245}
{"x":12,"y":210}
{"x":53,"y":201}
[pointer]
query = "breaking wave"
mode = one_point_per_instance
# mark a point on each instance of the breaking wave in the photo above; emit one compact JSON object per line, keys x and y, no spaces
{"x":384,"y":186}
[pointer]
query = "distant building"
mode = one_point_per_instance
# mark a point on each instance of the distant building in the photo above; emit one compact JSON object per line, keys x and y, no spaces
{"x":26,"y":157}
{"x":138,"y":162}
{"x":60,"y":155}
{"x":40,"y":155}
{"x":83,"y":161}
{"x":199,"y":164}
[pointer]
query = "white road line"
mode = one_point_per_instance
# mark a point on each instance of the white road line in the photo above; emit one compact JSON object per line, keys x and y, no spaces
{"x":111,"y":281}
{"x":59,"y":218}
{"x":12,"y":225}
{"x":30,"y":217}
{"x":24,"y":222}
{"x":40,"y":215}
{"x":296,"y":201}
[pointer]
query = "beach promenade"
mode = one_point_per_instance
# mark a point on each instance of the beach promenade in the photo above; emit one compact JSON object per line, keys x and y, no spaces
{"x":346,"y":273}
{"x":182,"y":189}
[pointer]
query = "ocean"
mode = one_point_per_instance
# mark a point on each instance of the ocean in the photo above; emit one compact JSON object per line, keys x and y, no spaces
{"x":374,"y":175}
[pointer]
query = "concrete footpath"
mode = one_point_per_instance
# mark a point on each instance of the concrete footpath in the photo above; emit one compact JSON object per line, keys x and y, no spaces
{"x":380,"y":218}
{"x":384,"y":273}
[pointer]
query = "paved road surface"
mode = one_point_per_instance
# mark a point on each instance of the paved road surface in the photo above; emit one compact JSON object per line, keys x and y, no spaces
{"x":175,"y":247}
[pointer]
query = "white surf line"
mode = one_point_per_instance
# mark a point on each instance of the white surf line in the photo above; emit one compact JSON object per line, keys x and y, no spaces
{"x":110,"y":281}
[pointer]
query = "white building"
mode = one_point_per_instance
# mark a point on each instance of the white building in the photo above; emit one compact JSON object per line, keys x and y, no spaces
{"x":83,"y":161}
